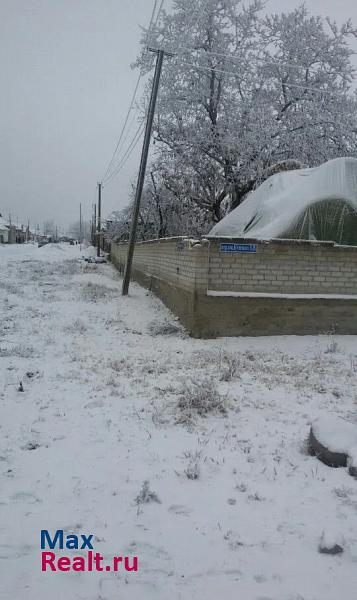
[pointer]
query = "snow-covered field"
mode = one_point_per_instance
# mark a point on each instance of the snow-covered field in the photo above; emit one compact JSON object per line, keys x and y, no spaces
{"x":115,"y":394}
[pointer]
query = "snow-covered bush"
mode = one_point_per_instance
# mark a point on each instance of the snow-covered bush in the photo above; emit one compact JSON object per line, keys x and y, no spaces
{"x":229,"y":367}
{"x":199,"y":397}
{"x":163,"y":328}
{"x":68,"y":268}
{"x":78,"y":326}
{"x":146,"y":495}
{"x":11,"y":288}
{"x":92,"y":292}
{"x":193,"y":470}
{"x":332,"y":347}
{"x":19,"y":351}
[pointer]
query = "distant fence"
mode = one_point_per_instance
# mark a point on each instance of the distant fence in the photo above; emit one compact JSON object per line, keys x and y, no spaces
{"x":222,"y":287}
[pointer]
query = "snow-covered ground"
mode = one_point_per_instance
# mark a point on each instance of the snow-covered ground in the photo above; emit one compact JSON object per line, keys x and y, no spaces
{"x":113,"y":396}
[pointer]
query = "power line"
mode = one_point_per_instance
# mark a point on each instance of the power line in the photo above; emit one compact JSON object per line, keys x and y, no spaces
{"x":233,"y":57}
{"x":227,"y":72}
{"x":109,"y":176}
{"x":148,"y":41}
{"x":125,"y":157}
{"x":257,"y":59}
{"x":117,"y":147}
{"x":224,"y":71}
{"x":137,"y":137}
{"x":123,"y":128}
{"x":153,"y":14}
{"x":134,"y":121}
{"x":153,"y":23}
{"x":127,"y":154}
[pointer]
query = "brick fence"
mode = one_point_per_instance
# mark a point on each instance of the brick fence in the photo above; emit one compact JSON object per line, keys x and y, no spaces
{"x":249,"y":287}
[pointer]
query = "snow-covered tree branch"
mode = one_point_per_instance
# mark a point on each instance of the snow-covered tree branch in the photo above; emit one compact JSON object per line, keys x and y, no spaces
{"x":245,"y":92}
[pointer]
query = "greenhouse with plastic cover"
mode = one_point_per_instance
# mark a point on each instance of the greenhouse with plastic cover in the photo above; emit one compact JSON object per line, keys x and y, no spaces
{"x":306,"y":204}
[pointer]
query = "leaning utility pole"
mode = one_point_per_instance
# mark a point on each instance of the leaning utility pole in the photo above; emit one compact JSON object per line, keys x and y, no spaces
{"x":80,"y":224}
{"x":142,"y":170}
{"x":99,"y":217}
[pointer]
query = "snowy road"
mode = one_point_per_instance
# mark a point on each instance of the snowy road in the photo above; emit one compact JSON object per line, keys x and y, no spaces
{"x":113,"y":392}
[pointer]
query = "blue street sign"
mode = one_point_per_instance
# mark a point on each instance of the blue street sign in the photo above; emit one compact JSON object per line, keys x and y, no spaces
{"x":238,"y":248}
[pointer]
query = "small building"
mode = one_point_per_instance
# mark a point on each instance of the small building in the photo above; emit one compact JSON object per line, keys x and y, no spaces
{"x":4,"y":231}
{"x":16,"y":235}
{"x":20,"y":235}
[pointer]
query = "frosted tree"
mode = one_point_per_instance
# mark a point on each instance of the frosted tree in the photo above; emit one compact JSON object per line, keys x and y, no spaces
{"x":245,"y":92}
{"x":161,"y":214}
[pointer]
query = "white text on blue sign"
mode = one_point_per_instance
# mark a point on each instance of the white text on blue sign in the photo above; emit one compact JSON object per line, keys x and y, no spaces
{"x":238,"y":248}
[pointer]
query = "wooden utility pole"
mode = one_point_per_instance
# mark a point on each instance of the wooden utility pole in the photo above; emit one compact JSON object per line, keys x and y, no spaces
{"x":80,"y":224}
{"x":12,"y":234}
{"x":94,"y":224}
{"x":142,"y":170}
{"x":99,"y":217}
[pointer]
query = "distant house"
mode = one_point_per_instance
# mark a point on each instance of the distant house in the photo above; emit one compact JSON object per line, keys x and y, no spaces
{"x":17,"y":235}
{"x":4,"y":231}
{"x":20,"y":235}
{"x":10,"y":234}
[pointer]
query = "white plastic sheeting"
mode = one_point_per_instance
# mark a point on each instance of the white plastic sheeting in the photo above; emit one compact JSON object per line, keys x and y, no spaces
{"x":318,"y":203}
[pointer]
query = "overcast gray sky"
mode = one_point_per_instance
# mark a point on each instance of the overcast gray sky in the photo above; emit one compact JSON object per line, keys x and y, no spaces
{"x":66,"y":84}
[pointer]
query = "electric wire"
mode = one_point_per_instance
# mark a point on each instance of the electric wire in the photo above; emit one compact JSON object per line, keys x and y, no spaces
{"x":132,"y":102}
{"x":139,"y":131}
{"x":127,"y":154}
{"x":123,"y":129}
{"x":113,"y":172}
{"x":228,"y":72}
{"x":231,"y":73}
{"x":232,"y":57}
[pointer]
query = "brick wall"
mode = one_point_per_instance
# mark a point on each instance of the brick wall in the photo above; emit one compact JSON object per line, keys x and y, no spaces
{"x":173,"y":260}
{"x":290,"y":267}
{"x":286,"y":287}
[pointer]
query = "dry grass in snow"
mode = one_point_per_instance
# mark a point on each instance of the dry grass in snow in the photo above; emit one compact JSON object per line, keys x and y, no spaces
{"x":187,"y":453}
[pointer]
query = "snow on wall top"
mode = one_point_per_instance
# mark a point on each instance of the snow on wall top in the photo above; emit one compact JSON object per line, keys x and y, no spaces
{"x":276,"y":205}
